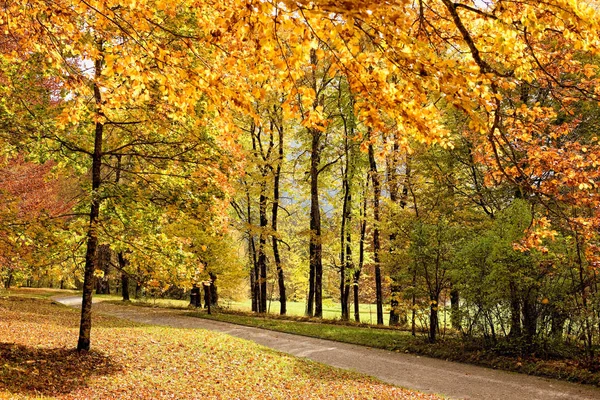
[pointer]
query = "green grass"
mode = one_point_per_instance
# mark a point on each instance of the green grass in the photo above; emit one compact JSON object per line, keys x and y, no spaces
{"x":331,"y":310}
{"x":389,"y":339}
{"x":37,"y":293}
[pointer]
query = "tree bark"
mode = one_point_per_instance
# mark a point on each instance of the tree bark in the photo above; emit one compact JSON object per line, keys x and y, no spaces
{"x":361,"y":255}
{"x":316,"y":247}
{"x":213,"y":289}
{"x":251,"y":254}
{"x":515,"y":311}
{"x":530,"y":316}
{"x":125,"y":286}
{"x":9,"y":280}
{"x":274,"y":214}
{"x":262,"y":256}
{"x":455,"y":317}
{"x":433,"y":318}
{"x":343,"y":244}
{"x":394,"y":185}
{"x":376,"y":242}
{"x":85,"y":326}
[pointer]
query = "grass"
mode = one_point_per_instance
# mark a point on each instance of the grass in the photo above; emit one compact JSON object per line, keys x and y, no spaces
{"x":37,"y":293}
{"x":133,"y":361}
{"x":331,"y":311}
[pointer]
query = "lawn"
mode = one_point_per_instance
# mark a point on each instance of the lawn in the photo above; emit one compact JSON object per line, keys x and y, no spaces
{"x":368,"y":312}
{"x":132,"y":361}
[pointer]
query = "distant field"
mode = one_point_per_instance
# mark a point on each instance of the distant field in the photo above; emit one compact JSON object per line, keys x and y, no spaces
{"x":368,"y":312}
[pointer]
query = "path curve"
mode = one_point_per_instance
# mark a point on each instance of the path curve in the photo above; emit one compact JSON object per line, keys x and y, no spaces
{"x":450,"y":379}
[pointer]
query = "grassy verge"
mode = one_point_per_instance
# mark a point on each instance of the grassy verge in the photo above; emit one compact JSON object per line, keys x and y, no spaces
{"x":37,"y":293}
{"x":451,"y":348}
{"x":132,"y":361}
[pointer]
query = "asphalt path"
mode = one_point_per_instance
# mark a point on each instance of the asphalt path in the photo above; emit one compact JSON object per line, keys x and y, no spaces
{"x":450,"y":379}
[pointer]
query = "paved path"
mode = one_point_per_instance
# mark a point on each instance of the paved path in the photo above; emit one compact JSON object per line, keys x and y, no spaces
{"x":454,"y":380}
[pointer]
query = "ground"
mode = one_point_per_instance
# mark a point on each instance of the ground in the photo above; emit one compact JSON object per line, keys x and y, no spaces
{"x":133,"y":361}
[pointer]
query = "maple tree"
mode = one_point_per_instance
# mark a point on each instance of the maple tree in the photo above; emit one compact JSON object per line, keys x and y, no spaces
{"x":35,"y":204}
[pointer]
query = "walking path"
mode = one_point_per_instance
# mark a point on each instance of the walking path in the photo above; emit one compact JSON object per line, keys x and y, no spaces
{"x":453,"y":380}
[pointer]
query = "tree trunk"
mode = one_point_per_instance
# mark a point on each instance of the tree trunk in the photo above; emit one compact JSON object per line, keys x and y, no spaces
{"x":433,"y":319}
{"x":376,"y":243}
{"x":9,"y":280}
{"x":251,"y":254}
{"x":124,"y":276}
{"x":85,"y":326}
{"x":125,"y":286}
{"x":455,"y":317}
{"x":529,"y":317}
{"x":361,"y":256}
{"x":515,"y":311}
{"x":315,"y":248}
{"x":413,"y":318}
{"x":262,"y":256}
{"x":274,"y":214}
{"x":393,"y":188}
{"x":343,"y":244}
{"x":213,"y":289}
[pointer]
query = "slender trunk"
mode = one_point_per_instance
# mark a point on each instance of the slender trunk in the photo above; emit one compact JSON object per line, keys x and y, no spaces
{"x":124,"y":276}
{"x":274,"y":213}
{"x":262,"y":256}
{"x":346,"y":235}
{"x":349,"y":264}
{"x":343,"y":248}
{"x":393,"y":187}
{"x":433,"y":318}
{"x":251,"y":254}
{"x":455,"y":317}
{"x":376,"y":243}
{"x":515,"y":311}
{"x":310,"y":299}
{"x":125,"y":286}
{"x":9,"y":280}
{"x":529,"y":317}
{"x":207,"y":297}
{"x":583,"y":286}
{"x":361,"y":255}
{"x":315,"y":249}
{"x":413,"y":318}
{"x":214,"y":290}
{"x":85,"y":326}
{"x":252,"y":280}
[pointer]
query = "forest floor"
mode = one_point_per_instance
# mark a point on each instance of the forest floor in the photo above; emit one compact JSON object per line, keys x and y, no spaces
{"x":454,"y":380}
{"x":130,"y":360}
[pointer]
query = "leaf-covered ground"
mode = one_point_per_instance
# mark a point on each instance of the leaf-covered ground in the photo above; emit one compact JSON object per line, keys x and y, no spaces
{"x":131,"y":361}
